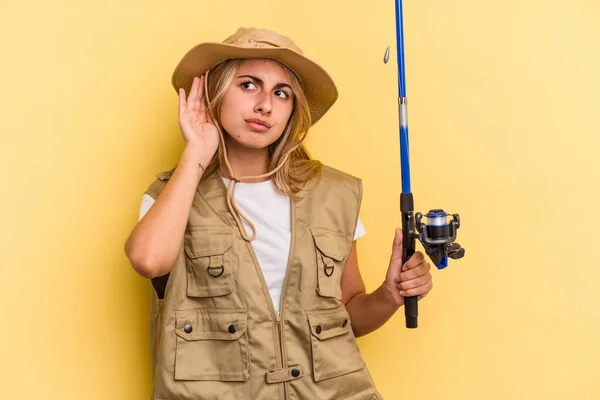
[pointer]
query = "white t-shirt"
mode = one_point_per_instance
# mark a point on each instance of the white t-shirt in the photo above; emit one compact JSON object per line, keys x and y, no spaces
{"x":270,"y":212}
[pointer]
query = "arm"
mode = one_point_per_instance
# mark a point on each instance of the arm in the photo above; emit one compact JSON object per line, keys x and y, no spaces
{"x":154,"y":244}
{"x":368,"y":312}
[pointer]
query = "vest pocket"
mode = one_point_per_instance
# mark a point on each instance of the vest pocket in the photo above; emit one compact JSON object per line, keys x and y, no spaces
{"x":334,"y":349}
{"x":373,"y":395}
{"x":209,"y":269}
{"x":331,"y":250}
{"x":211,"y":345}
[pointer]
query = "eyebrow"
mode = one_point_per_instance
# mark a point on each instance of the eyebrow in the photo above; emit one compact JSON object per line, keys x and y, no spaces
{"x":278,"y":86}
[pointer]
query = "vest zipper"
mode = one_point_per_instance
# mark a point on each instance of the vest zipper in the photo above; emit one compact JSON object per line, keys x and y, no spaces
{"x":281,"y":350}
{"x":274,"y":313}
{"x":283,"y":291}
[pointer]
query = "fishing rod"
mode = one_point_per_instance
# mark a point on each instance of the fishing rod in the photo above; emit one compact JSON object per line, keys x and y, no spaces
{"x":437,"y":234}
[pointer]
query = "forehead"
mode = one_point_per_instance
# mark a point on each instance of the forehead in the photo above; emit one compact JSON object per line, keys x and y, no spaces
{"x":264,"y":68}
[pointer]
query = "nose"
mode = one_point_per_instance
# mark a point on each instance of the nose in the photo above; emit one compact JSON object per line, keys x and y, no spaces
{"x":264,"y":104}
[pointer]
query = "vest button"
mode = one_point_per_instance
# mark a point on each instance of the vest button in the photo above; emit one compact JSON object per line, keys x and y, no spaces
{"x":232,"y":328}
{"x":318,"y":329}
{"x":295,"y":372}
{"x":187,"y":328}
{"x":345,"y":323}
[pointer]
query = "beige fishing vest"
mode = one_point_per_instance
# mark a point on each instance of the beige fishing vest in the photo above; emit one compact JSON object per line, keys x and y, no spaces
{"x":216,"y":334}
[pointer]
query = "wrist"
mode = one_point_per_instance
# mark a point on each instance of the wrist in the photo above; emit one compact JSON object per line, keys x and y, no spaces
{"x":196,"y":159}
{"x":390,"y":296}
{"x":196,"y":152}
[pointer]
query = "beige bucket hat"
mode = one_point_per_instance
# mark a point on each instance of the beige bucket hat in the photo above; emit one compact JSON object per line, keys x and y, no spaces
{"x":319,"y":88}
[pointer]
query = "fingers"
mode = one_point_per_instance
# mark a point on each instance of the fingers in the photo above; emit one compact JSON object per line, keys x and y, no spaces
{"x":397,"y":246}
{"x":414,"y":261}
{"x":196,"y":101}
{"x":196,"y":104}
{"x":201,"y":89}
{"x":415,"y":267}
{"x":182,"y":101}
{"x":201,"y":99}
{"x":192,"y":97}
{"x":398,"y":238}
{"x":201,"y":105}
{"x":415,"y":283}
{"x":420,"y":291}
{"x":420,"y":270}
{"x":415,"y":278}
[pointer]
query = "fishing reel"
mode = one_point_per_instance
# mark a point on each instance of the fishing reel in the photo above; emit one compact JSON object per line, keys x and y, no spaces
{"x":437,"y":236}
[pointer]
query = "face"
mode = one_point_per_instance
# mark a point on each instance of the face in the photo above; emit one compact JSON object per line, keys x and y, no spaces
{"x":258,"y":104}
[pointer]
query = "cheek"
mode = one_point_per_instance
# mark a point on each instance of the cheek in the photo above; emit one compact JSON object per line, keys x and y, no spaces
{"x":227,"y":115}
{"x":285,"y":114}
{"x":225,"y":118}
{"x":289,"y":108}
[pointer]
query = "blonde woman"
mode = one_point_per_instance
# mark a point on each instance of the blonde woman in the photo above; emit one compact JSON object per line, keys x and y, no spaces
{"x":250,"y":244}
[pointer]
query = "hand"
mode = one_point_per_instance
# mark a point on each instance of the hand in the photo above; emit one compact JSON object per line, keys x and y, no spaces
{"x":196,"y":125}
{"x":410,"y":279}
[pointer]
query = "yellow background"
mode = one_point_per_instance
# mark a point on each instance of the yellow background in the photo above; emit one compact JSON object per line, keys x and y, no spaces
{"x":503,"y":100}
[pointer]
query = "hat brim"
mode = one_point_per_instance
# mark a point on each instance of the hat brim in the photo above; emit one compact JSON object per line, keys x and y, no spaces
{"x":319,"y":88}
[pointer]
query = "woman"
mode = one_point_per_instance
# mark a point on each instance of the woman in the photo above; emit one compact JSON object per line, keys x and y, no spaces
{"x":258,"y":293}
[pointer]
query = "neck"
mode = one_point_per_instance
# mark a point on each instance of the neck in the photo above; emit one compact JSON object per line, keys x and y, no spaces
{"x":246,"y":161}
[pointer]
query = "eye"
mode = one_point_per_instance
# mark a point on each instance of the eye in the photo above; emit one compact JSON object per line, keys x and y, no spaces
{"x":281,"y":93}
{"x":248,"y":85}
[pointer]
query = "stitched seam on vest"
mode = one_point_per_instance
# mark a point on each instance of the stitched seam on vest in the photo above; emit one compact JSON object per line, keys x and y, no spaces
{"x":372,"y":391}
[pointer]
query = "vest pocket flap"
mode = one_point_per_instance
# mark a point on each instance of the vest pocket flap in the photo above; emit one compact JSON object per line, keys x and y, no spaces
{"x":333,"y":244}
{"x":329,"y":323}
{"x":211,"y":345}
{"x":334,"y":350}
{"x":211,"y":324}
{"x":208,"y":241}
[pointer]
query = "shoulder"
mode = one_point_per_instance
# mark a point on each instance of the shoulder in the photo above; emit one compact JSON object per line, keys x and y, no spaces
{"x":332,"y":176}
{"x":333,"y":183}
{"x":159,"y":183}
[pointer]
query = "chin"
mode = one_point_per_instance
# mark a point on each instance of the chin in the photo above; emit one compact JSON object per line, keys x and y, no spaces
{"x":254,"y":145}
{"x":254,"y":140}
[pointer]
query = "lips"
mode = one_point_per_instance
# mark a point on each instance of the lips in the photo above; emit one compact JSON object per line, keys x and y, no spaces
{"x":258,"y":123}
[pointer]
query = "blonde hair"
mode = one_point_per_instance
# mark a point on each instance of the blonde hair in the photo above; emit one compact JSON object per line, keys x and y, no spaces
{"x":299,"y":168}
